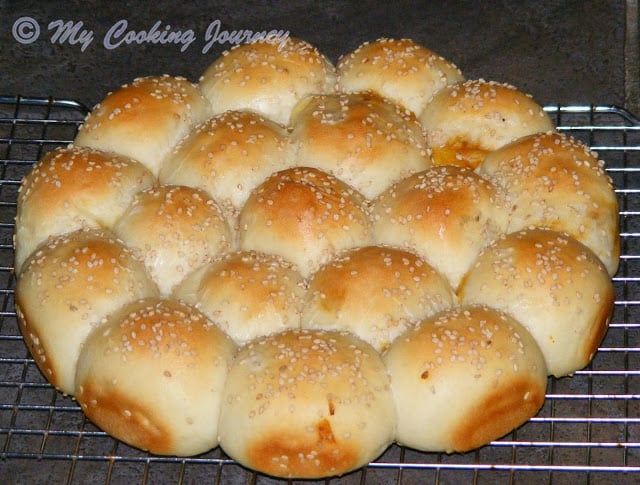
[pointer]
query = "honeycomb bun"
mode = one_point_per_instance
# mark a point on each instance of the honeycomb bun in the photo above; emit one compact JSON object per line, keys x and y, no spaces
{"x":467,"y":120}
{"x":552,"y":284}
{"x":359,"y":138}
{"x":400,"y":289}
{"x":144,"y":119}
{"x":268,"y":78}
{"x":304,"y":215}
{"x":67,"y":287}
{"x":307,"y":404}
{"x":398,"y":69}
{"x":554,"y":181}
{"x":464,"y":377}
{"x":152,"y":375}
{"x":74,"y":188}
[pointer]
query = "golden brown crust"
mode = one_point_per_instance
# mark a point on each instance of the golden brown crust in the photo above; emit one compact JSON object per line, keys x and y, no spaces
{"x":306,"y":403}
{"x":304,"y":215}
{"x":464,"y":377}
{"x":466,"y":121}
{"x":67,"y":287}
{"x":228,"y":156}
{"x":359,"y":138}
{"x":73,"y":188}
{"x":554,"y":285}
{"x":399,"y":287}
{"x":247,"y":294}
{"x":267,"y":78}
{"x":175,"y":230}
{"x":399,"y":69}
{"x":554,"y":181}
{"x":139,"y":370}
{"x":144,"y":119}
{"x":446,"y":214}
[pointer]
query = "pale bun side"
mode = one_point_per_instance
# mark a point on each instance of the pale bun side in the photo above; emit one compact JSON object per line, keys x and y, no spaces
{"x":73,"y":188}
{"x":266,"y":77}
{"x":175,"y":230}
{"x":247,"y":294}
{"x":399,"y":69}
{"x":304,"y":215}
{"x":375,"y":292}
{"x":228,"y":156}
{"x":362,"y":138}
{"x":551,"y":283}
{"x":446,"y":214}
{"x":554,"y":181}
{"x":466,"y":121}
{"x":464,"y":377}
{"x":152,"y":376}
{"x":144,"y":119}
{"x":306,"y":404}
{"x":68,"y":286}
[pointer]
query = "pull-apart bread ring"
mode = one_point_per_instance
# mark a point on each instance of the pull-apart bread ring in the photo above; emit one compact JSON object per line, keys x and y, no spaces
{"x":466,"y":121}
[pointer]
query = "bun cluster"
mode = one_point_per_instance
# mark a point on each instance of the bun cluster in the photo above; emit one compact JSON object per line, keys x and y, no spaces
{"x":304,"y":263}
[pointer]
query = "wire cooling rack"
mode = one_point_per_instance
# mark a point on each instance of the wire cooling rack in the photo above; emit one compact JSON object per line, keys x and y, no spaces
{"x":587,"y":432}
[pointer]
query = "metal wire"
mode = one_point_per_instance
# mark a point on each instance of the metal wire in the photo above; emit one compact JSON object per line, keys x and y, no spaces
{"x":588,"y":431}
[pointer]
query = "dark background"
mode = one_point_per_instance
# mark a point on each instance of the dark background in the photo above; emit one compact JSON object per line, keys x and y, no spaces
{"x":560,"y":52}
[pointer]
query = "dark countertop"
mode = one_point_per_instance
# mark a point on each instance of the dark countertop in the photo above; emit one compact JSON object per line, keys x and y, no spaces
{"x":560,"y":52}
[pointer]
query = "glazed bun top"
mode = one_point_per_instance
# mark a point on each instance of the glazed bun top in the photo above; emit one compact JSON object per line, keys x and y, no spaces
{"x":361,"y":138}
{"x":74,"y":188}
{"x":554,"y":181}
{"x":267,"y":77}
{"x":144,"y":119}
{"x":399,"y":69}
{"x":465,"y":121}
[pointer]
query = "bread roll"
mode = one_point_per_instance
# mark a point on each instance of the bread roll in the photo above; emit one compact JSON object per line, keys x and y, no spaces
{"x":306,"y":404}
{"x":551,"y":283}
{"x":361,"y":138}
{"x":175,"y":230}
{"x":73,"y":188}
{"x":228,"y":156}
{"x":247,"y":294}
{"x":554,"y":181}
{"x":145,"y":118}
{"x":465,"y":121}
{"x":376,"y":292}
{"x":268,"y":78}
{"x":306,"y":216}
{"x":463,"y":378}
{"x":399,"y":69}
{"x":152,"y":376}
{"x":66,"y":289}
{"x":446,"y":214}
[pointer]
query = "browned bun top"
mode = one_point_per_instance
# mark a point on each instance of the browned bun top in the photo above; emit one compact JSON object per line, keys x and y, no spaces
{"x":554,"y":181}
{"x":465,"y":121}
{"x":68,"y":286}
{"x":306,"y":404}
{"x":175,"y":229}
{"x":144,"y":119}
{"x":267,"y":77}
{"x":304,"y":215}
{"x":247,"y":294}
{"x":363,"y":139}
{"x":73,"y":188}
{"x":554,"y":285}
{"x":446,"y":214}
{"x":399,"y":69}
{"x":228,"y":156}
{"x":464,"y":377}
{"x":152,"y":376}
{"x":376,"y":292}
